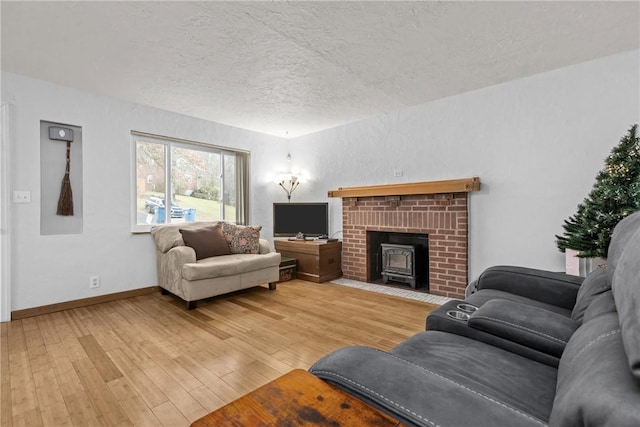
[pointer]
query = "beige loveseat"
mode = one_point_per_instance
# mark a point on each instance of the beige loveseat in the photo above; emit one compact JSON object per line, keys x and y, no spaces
{"x":181,"y":274}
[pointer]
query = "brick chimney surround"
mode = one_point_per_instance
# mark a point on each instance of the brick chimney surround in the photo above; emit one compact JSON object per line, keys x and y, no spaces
{"x":436,"y":208}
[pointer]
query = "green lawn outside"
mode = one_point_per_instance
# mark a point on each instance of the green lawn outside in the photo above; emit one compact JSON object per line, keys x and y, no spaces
{"x":206,"y":210}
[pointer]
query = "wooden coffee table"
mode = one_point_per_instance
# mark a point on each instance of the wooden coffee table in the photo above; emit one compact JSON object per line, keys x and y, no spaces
{"x":296,"y":399}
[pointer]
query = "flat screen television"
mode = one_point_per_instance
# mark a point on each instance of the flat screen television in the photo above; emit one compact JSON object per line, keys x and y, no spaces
{"x":289,"y":219}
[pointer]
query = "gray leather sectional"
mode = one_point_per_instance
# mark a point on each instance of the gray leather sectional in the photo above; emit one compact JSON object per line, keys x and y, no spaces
{"x":529,"y":348}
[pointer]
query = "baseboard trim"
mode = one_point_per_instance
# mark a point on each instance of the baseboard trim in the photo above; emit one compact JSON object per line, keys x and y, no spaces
{"x":68,"y":305}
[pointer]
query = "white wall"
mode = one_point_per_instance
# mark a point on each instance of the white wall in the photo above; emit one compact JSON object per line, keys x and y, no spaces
{"x":51,"y":269}
{"x":536,"y":143}
{"x":5,"y":248}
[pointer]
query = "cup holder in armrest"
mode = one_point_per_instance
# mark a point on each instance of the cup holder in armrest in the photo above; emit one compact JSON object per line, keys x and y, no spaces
{"x":466,"y":307}
{"x":458,"y":315}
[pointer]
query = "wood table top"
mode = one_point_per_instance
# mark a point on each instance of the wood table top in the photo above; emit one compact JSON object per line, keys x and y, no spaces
{"x":297,"y":398}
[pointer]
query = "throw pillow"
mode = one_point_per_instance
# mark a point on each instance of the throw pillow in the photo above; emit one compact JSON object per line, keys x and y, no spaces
{"x":206,"y":241}
{"x":242,"y":239}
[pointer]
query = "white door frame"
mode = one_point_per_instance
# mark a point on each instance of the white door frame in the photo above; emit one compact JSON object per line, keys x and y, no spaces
{"x":5,"y":212}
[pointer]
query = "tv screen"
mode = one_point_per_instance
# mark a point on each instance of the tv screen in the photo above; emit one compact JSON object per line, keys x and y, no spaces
{"x":289,"y":219}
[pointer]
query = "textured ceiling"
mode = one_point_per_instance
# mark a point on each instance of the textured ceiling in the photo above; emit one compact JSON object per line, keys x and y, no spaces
{"x":299,"y":67}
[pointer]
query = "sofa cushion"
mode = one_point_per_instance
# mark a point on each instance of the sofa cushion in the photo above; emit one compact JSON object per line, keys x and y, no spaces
{"x":626,"y":293}
{"x":242,"y":239}
{"x":595,"y":387}
{"x":594,"y":284}
{"x":206,"y":241}
{"x":229,"y":265}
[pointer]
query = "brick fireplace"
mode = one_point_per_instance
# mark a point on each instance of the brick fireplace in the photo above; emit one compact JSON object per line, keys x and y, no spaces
{"x":442,"y":215}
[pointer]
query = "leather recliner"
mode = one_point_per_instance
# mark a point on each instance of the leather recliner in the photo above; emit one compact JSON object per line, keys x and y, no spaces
{"x":440,"y":378}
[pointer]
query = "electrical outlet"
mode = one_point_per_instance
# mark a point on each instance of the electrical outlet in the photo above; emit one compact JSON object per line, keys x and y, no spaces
{"x":94,"y":282}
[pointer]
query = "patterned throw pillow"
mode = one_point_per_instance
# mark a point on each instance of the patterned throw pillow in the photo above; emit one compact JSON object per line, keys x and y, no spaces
{"x":242,"y":239}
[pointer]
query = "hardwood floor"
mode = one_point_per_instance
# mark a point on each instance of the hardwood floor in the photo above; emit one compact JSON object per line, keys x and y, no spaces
{"x":146,"y":361}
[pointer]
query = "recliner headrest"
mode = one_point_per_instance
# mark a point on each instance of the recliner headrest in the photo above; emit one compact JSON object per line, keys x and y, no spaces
{"x":622,"y":232}
{"x":626,"y":293}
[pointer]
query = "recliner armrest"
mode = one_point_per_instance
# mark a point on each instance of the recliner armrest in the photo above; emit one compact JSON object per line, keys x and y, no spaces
{"x":440,"y":320}
{"x":554,"y":288}
{"x":533,"y":327}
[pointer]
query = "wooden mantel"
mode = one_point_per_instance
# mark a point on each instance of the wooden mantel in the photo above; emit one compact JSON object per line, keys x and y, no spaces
{"x":431,"y":187}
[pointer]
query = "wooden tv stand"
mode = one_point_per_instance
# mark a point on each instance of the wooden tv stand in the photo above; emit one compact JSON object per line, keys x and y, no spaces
{"x":318,"y":261}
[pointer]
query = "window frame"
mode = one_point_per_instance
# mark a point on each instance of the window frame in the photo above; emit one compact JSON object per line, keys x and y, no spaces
{"x":169,"y":143}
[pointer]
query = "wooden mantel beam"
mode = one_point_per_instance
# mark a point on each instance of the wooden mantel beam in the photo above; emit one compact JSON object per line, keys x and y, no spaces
{"x":431,"y":187}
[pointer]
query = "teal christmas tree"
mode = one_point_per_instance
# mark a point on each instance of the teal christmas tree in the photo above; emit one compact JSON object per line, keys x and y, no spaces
{"x":615,"y":194}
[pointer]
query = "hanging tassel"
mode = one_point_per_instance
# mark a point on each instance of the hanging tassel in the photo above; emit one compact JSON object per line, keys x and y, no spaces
{"x":65,"y":202}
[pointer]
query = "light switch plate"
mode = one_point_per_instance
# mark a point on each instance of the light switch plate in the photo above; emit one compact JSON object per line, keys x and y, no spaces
{"x":22,"y":197}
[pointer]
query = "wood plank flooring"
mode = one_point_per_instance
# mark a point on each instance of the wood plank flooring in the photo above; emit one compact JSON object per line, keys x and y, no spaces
{"x":146,"y":361}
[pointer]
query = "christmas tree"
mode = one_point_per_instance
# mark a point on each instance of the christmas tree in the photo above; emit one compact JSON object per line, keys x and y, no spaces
{"x":615,"y":194}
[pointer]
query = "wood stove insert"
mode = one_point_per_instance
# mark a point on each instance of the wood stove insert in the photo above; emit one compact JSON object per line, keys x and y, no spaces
{"x":399,"y":263}
{"x":398,"y":257}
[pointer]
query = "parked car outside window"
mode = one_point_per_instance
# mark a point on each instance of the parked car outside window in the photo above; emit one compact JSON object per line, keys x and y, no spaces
{"x":152,"y":203}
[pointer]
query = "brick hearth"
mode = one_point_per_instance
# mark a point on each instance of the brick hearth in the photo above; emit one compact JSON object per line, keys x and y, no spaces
{"x":444,"y":217}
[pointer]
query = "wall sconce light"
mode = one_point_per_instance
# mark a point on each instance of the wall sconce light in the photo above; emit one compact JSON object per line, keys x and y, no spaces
{"x":289,"y":183}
